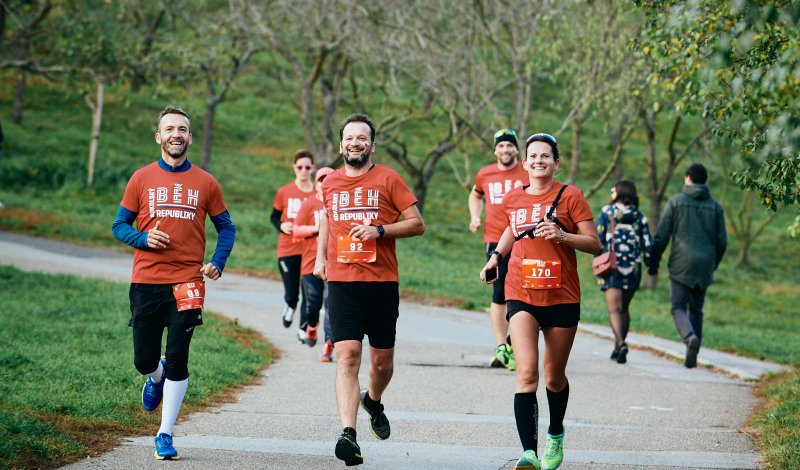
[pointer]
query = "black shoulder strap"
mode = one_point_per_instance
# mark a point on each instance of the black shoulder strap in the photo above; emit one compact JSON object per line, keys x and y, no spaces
{"x":529,"y":232}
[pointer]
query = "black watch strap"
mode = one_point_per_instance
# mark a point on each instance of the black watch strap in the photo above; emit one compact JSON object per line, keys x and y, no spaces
{"x":381,"y":231}
{"x":499,"y":255}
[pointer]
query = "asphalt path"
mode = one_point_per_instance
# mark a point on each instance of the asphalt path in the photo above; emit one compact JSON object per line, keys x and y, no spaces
{"x":447,"y":408}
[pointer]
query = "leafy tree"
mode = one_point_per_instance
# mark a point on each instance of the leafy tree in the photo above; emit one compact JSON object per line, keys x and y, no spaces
{"x":736,"y":63}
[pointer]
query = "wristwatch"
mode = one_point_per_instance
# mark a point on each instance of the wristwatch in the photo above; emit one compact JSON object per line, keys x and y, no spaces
{"x":499,"y":255}
{"x":381,"y":231}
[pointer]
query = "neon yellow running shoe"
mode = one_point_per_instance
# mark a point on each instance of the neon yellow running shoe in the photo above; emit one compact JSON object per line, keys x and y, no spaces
{"x":511,"y":361}
{"x":528,"y":461}
{"x":553,"y":452}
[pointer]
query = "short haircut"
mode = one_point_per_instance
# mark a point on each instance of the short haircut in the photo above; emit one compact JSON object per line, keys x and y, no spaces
{"x":697,"y":173}
{"x":626,"y":193}
{"x":357,"y":117}
{"x":303,"y":154}
{"x":172,"y":110}
{"x":546,"y":138}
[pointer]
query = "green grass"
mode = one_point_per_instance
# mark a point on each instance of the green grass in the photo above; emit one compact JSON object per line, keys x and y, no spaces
{"x":748,"y":309}
{"x":67,"y":382}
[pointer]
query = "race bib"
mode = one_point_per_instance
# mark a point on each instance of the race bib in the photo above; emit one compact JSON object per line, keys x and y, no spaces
{"x":189,"y":295}
{"x":355,"y":251}
{"x":541,"y":274}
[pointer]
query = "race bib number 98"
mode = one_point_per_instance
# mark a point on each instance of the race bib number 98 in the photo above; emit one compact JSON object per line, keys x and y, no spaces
{"x":541,"y":274}
{"x":355,"y":251}
{"x":189,"y":295}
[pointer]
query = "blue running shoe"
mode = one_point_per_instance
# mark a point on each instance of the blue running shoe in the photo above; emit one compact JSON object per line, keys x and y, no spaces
{"x":164,"y":449}
{"x":153,"y":392}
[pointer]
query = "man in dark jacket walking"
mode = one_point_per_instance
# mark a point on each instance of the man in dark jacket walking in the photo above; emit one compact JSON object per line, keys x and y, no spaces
{"x":696,"y":224}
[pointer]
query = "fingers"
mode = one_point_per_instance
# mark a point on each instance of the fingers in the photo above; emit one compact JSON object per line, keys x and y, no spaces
{"x":210,"y":271}
{"x":363,"y":232}
{"x":156,"y":239}
{"x":158,"y":222}
{"x":547,"y":229}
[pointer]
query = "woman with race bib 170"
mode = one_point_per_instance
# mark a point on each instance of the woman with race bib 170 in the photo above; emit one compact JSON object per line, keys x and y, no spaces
{"x":547,"y":222}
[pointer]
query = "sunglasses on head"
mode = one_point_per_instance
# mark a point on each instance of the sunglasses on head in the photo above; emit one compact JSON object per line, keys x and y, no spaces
{"x":539,"y":137}
{"x":502,"y":132}
{"x":304,"y":167}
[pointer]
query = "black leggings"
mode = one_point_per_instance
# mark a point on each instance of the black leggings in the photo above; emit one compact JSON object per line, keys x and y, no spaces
{"x":147,"y":349}
{"x":290,"y":273}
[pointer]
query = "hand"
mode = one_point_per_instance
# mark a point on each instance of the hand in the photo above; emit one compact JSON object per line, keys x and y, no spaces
{"x":363,"y":232}
{"x":286,"y":227}
{"x":474,"y":224}
{"x":156,"y":239}
{"x":210,"y":271}
{"x":321,"y":268}
{"x":547,"y":229}
{"x":491,"y":264}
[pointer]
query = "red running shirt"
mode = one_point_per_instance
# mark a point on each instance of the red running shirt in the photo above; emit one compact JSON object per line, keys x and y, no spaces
{"x":287,"y":200}
{"x":524,"y":211}
{"x":380,"y":195}
{"x":180,"y":201}
{"x":493,"y":183}
{"x":311,"y":210}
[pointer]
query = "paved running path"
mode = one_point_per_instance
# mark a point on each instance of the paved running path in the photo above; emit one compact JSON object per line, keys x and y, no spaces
{"x":448,"y":410}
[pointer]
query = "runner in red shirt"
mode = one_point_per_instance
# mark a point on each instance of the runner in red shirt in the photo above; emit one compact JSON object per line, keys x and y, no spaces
{"x":492,"y":183}
{"x":549,"y":221}
{"x":169,"y":201}
{"x":364,"y":203}
{"x":306,"y":226}
{"x":290,"y":248}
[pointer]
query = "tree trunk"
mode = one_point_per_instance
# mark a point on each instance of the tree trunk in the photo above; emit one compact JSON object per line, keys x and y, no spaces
{"x":19,"y":97}
{"x":649,"y":121}
{"x":208,"y":133}
{"x":97,"y":117}
{"x":577,"y":131}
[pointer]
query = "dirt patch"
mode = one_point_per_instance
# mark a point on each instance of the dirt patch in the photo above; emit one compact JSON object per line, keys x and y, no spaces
{"x":26,"y":220}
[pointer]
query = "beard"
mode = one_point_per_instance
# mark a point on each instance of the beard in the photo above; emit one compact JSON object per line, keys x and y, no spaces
{"x":507,"y":160}
{"x":176,"y":154}
{"x":357,"y":162}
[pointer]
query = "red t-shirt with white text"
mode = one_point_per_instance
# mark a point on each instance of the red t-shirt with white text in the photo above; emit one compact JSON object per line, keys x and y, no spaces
{"x":493,"y":183}
{"x":287,"y":200}
{"x":311,"y":210}
{"x":180,"y":201}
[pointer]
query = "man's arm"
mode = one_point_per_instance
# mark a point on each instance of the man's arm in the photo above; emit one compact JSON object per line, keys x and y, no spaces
{"x":663,"y":234}
{"x":321,"y":263}
{"x":123,"y":230}
{"x":722,"y":236}
{"x":475,"y":203}
{"x":226,"y":235}
{"x":411,"y":225}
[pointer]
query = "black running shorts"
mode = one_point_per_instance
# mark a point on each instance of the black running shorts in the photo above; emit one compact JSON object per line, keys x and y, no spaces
{"x":364,"y":308}
{"x":499,"y":286}
{"x":561,"y":316}
{"x":155,"y":304}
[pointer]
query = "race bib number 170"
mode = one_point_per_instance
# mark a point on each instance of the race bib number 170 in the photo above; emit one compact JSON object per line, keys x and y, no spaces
{"x":541,"y":274}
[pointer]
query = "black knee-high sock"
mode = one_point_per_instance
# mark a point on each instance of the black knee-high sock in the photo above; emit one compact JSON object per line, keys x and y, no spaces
{"x":526,"y":412}
{"x":557,"y":402}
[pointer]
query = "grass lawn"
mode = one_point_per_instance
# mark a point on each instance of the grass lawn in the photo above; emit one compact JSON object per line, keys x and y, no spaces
{"x":68,"y":387}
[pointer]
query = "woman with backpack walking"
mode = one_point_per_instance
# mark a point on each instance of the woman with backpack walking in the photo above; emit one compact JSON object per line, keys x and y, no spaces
{"x":623,"y":229}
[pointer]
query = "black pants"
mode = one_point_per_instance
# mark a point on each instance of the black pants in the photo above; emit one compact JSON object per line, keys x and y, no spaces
{"x":153,"y":308}
{"x":313,"y":297}
{"x":290,"y":273}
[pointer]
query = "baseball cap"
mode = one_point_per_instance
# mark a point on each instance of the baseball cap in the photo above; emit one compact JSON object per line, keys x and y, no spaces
{"x":322,"y":173}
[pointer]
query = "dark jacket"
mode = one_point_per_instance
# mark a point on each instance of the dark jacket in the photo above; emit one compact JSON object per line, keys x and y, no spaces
{"x":696,"y":224}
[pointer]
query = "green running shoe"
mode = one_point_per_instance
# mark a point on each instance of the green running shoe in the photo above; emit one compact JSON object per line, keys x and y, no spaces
{"x":553,"y":452}
{"x":528,"y":461}
{"x":511,"y":363}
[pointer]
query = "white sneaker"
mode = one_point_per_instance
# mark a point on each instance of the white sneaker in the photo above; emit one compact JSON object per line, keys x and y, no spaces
{"x":301,"y":336}
{"x":288,"y":315}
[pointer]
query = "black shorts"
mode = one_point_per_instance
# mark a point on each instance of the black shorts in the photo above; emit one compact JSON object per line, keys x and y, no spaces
{"x":364,"y":308}
{"x":155,"y":304}
{"x":561,"y":315}
{"x":499,"y":286}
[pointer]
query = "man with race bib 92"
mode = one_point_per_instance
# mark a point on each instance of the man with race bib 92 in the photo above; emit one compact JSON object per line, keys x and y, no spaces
{"x":367,"y":206}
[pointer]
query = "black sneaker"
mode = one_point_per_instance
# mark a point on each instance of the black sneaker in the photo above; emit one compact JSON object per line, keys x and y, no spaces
{"x":348,"y":450}
{"x":692,"y":348}
{"x":378,"y":422}
{"x":622,"y":355}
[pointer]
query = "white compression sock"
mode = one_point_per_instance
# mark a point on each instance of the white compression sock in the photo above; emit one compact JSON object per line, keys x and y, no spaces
{"x":157,"y":374}
{"x":173,"y":398}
